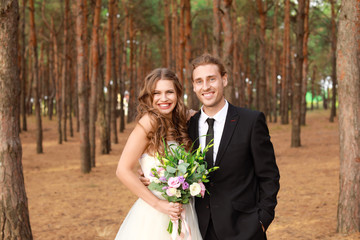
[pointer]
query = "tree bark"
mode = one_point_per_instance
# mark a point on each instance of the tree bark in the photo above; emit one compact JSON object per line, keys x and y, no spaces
{"x":296,"y":103}
{"x":104,"y":140}
{"x":313,"y":87}
{"x":108,"y":75}
{"x":82,"y":88}
{"x":182,"y":40}
{"x":235,"y":57}
{"x":132,"y":98}
{"x":274,"y":71}
{"x":114,"y":133}
{"x":167,"y":32}
{"x":245,"y":89}
{"x":174,"y":34}
{"x":348,"y":75}
{"x":333,"y":61}
{"x":123,"y":76}
{"x":192,"y":101}
{"x":216,"y":43}
{"x":23,"y":68}
{"x":39,"y":136}
{"x":305,"y":64}
{"x":14,"y":213}
{"x":261,"y":88}
{"x":228,"y":46}
{"x":65,"y":74}
{"x":57,"y":82}
{"x":285,"y":79}
{"x":93,"y":82}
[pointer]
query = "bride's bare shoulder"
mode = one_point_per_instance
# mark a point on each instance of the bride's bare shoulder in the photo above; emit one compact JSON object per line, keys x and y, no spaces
{"x":146,"y":122}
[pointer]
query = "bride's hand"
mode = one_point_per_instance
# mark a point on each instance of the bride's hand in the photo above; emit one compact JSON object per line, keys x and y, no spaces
{"x":172,"y":209}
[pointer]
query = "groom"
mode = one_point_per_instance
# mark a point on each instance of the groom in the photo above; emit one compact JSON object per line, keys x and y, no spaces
{"x":243,"y":191}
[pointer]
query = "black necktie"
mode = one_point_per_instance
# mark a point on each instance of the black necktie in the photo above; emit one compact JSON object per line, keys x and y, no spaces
{"x":209,"y":136}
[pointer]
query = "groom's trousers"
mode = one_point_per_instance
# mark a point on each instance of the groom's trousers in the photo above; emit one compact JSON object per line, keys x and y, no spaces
{"x":210,"y":233}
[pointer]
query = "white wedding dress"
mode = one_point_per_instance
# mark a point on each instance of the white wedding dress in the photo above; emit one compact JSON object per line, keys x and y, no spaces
{"x":144,"y":222}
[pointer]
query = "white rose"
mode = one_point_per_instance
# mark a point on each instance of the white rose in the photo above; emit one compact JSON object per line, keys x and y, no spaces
{"x":154,"y":179}
{"x":195,"y":189}
{"x":178,"y":193}
{"x":172,"y":191}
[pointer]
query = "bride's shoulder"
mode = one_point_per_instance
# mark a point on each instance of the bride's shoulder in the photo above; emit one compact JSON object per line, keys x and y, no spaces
{"x":146,"y":122}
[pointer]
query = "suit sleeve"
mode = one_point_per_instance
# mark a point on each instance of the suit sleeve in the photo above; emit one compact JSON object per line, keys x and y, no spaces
{"x":266,"y":170}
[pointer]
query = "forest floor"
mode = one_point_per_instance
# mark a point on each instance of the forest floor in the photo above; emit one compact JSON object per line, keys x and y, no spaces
{"x":66,"y":204}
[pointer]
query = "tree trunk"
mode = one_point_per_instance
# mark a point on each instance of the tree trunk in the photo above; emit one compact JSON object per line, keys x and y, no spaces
{"x":286,"y":67}
{"x":71,"y":89}
{"x":174,"y":34}
{"x":192,"y":100}
{"x":57,"y":82}
{"x":235,"y":57}
{"x":228,"y":46}
{"x":274,"y":71}
{"x":296,"y":103}
{"x":23,"y":68}
{"x":124,"y":69}
{"x":333,"y":61}
{"x":313,"y":87}
{"x":182,"y":40}
{"x":348,"y":75}
{"x":65,"y":70}
{"x":114,"y":77}
{"x":216,"y":28}
{"x":261,"y":88}
{"x":51,"y":82}
{"x":305,"y":64}
{"x":104,"y":140}
{"x":246,"y":84}
{"x":108,"y":75}
{"x":82,"y":88}
{"x":39,"y":147}
{"x":167,"y":33}
{"x":14,"y":213}
{"x":94,"y":77}
{"x":132,"y":99}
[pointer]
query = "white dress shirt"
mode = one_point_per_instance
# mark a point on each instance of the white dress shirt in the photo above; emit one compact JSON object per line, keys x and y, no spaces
{"x":219,"y":124}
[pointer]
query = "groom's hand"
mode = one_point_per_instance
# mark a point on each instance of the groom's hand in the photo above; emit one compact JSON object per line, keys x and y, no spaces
{"x":142,"y":178}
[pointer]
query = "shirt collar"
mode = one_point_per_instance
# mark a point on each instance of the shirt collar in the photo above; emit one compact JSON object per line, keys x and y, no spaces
{"x":219,"y":116}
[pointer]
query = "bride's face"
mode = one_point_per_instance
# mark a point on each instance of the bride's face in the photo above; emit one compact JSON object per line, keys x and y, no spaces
{"x":164,"y":97}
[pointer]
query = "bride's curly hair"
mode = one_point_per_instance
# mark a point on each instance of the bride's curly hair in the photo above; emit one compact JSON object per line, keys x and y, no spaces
{"x":162,"y":127}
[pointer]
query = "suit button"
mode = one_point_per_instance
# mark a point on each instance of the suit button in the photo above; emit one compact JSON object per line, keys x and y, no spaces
{"x":211,"y":184}
{"x":207,"y":206}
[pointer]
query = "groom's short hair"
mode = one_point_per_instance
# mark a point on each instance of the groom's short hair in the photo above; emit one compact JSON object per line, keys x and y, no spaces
{"x":206,"y":59}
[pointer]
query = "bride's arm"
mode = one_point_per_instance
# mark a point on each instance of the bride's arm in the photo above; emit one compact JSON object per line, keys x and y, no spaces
{"x":134,"y":148}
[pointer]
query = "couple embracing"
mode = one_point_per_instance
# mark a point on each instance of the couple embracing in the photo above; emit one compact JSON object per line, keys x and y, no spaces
{"x":242,"y":192}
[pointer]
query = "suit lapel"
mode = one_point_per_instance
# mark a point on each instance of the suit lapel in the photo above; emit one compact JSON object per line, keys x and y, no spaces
{"x":229,"y":127}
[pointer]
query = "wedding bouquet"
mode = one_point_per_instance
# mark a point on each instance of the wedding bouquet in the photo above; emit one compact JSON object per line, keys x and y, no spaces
{"x":180,"y":176}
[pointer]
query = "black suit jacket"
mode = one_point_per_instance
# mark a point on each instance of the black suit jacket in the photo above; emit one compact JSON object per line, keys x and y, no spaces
{"x":243,"y":190}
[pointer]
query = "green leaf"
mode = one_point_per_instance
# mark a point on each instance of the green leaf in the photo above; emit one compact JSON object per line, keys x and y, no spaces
{"x":170,"y":169}
{"x":155,"y":186}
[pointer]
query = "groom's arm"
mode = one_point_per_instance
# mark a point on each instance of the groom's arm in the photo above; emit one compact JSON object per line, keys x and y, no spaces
{"x":266,"y":170}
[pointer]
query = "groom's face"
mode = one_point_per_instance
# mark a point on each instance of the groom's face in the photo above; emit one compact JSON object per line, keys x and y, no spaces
{"x":208,"y":84}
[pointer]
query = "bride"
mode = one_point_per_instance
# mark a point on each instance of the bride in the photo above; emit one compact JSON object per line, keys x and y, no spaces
{"x":161,"y":114}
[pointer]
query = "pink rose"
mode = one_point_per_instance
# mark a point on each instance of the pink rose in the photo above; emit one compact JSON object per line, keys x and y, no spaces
{"x":174,"y":182}
{"x":202,"y":192}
